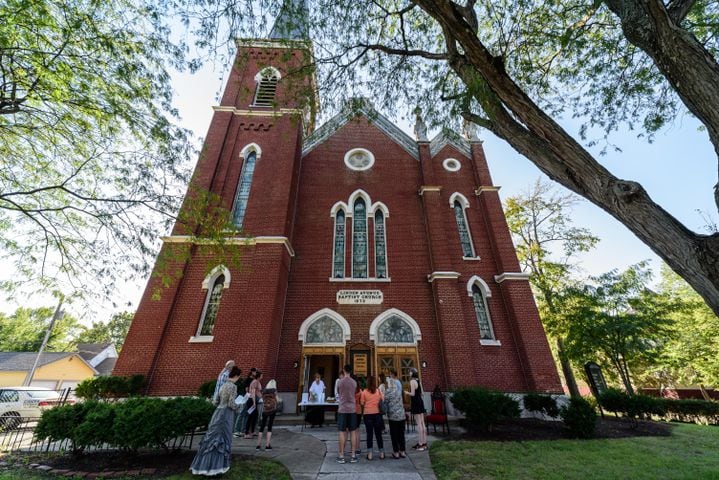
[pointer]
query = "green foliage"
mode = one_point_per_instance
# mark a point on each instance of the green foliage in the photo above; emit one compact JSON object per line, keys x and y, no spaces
{"x":618,"y":320}
{"x":107,"y":387}
{"x":484,"y":408}
{"x":580,"y":418}
{"x":207,"y":389}
{"x":92,"y":161}
{"x":133,"y":424}
{"x":545,"y":404}
{"x":114,"y":331}
{"x":689,"y":356}
{"x":24,"y":330}
{"x":638,"y":406}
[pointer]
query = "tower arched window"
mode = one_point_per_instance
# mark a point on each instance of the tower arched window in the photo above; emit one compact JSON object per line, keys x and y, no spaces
{"x":462,"y":227}
{"x":380,"y":245}
{"x":486,"y":332}
{"x":359,"y":239}
{"x":267,"y":81}
{"x":212,"y":306}
{"x":338,"y":263}
{"x":243,"y":189}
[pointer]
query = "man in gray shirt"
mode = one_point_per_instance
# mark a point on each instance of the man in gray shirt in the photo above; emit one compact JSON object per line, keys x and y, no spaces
{"x":347,"y":414}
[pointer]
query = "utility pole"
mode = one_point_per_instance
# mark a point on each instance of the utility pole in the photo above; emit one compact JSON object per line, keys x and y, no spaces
{"x":57,"y":316}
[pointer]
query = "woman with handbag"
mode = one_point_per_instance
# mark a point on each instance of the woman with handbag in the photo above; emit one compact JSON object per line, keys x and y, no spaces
{"x":269,"y":399}
{"x":255,"y":392}
{"x":395,"y":415}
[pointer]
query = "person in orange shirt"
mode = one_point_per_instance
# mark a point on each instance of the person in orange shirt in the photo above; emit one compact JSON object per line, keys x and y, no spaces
{"x":370,"y":399}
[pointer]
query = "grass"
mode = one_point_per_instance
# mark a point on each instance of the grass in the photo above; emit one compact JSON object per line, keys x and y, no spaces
{"x":691,"y":453}
{"x":242,"y":469}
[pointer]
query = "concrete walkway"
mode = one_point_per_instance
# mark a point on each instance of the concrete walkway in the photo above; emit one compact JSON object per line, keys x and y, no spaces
{"x":312,"y":454}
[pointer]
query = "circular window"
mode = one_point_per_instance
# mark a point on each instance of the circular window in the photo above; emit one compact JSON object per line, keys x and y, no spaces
{"x":359,"y":159}
{"x":451,"y":165}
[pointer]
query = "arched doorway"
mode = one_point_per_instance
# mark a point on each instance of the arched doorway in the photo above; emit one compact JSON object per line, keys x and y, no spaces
{"x":396,"y":336}
{"x":324,"y":335}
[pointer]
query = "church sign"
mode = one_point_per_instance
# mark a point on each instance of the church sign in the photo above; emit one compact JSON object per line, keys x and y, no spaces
{"x":596,"y":379}
{"x":359,"y":297}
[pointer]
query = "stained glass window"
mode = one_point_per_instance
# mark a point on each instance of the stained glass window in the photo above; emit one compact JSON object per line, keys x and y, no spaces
{"x":213,"y":305}
{"x":395,"y":330}
{"x":480,"y":310}
{"x":324,"y":330}
{"x":243,"y":190}
{"x":338,"y":269}
{"x":380,"y":248}
{"x":464,"y":238}
{"x":359,"y":240}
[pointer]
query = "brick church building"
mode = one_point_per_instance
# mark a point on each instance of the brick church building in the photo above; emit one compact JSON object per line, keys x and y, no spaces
{"x":359,"y":244}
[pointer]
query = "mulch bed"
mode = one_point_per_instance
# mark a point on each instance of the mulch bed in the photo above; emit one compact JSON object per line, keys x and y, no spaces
{"x":533,"y":429}
{"x":109,"y":464}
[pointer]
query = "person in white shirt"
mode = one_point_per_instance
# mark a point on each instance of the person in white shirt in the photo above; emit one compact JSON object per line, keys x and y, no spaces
{"x":316,"y":415}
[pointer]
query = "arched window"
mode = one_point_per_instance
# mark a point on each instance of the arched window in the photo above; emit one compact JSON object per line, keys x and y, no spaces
{"x":266,"y":87}
{"x":380,"y":247}
{"x":212,"y":305}
{"x":324,"y":330}
{"x":338,"y":263}
{"x":243,"y":189}
{"x":486,"y":332}
{"x":359,"y":239}
{"x":464,"y":237}
{"x":395,"y":330}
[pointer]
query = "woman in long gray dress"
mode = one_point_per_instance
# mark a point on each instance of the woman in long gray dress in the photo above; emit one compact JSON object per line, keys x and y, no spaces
{"x":215,"y":449}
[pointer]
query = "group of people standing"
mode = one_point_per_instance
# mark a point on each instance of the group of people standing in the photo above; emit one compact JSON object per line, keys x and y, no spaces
{"x":254,"y":402}
{"x":371,"y":404}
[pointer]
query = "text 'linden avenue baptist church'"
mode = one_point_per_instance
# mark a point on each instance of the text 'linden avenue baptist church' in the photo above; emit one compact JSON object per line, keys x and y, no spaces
{"x":360,"y":245}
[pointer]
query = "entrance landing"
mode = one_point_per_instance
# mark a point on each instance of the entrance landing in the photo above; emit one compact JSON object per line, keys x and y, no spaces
{"x":312,"y":455}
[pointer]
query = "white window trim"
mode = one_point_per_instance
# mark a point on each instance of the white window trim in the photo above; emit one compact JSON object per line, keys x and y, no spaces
{"x":445,"y":165}
{"x":374,"y":327}
{"x":334,"y":240}
{"x":358,"y":169}
{"x":456,"y":196}
{"x":207,"y":284}
{"x":360,"y":280}
{"x":346,"y":331}
{"x":250,"y":147}
{"x":486,"y":293}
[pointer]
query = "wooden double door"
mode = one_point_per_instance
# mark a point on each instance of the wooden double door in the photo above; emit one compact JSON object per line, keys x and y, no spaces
{"x":402,"y":359}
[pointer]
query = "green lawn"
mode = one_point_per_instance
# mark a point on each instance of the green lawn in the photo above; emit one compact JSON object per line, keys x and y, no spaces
{"x":242,"y":469}
{"x":691,"y":453}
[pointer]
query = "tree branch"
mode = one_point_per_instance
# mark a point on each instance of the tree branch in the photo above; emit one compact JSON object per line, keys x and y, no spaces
{"x":678,"y":9}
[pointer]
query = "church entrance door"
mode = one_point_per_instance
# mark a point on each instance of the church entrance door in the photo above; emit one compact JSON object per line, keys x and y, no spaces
{"x":403,"y":359}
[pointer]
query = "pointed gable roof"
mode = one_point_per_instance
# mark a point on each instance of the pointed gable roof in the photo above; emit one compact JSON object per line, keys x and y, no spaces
{"x":448,"y":137}
{"x":360,"y":107}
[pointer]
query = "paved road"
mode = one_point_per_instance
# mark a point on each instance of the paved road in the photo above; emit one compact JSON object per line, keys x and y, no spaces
{"x":312,"y":455}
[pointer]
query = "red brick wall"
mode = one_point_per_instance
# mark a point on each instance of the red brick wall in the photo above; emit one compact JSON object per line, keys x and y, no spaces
{"x":271,"y":293}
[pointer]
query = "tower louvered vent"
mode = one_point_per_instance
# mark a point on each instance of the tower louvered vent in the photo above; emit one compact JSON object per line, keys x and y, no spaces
{"x":266,"y":89}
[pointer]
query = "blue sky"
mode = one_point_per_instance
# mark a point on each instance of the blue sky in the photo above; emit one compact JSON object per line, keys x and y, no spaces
{"x":678,"y":169}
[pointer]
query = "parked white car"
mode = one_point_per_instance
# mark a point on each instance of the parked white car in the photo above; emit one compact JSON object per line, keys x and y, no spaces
{"x":17,"y":403}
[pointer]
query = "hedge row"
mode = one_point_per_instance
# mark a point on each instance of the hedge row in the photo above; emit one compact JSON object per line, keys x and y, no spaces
{"x":637,"y":406}
{"x":131,"y":425}
{"x":106,"y":387}
{"x":484,"y":408}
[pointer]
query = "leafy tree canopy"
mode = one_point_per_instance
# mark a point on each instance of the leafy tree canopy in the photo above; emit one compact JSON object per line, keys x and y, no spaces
{"x":113,"y":331}
{"x":24,"y":331}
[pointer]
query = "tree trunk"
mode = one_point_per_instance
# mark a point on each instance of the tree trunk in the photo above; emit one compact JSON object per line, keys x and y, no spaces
{"x":567,"y":369}
{"x":514,"y":117}
{"x":689,"y":68}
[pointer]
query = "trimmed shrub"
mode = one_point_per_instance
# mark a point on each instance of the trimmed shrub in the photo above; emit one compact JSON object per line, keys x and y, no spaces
{"x":580,"y":418}
{"x":545,"y":404}
{"x":484,"y":408}
{"x":207,"y":389}
{"x":691,"y":410}
{"x":631,"y":406}
{"x":133,"y":424}
{"x":106,"y":387}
